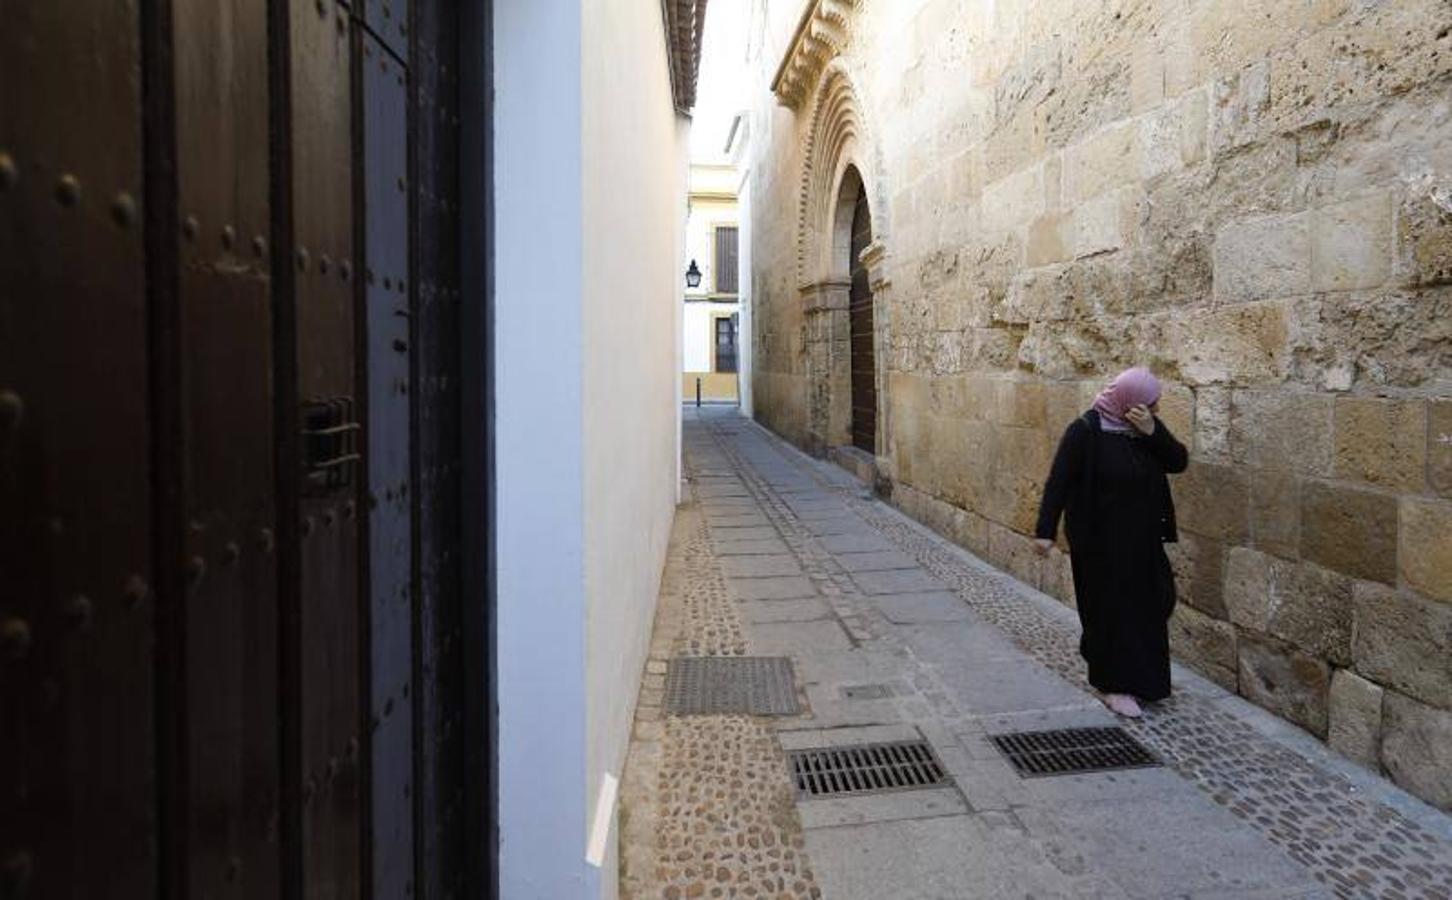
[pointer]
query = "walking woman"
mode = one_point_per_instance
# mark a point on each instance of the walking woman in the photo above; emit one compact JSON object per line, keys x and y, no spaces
{"x":1109,"y":482}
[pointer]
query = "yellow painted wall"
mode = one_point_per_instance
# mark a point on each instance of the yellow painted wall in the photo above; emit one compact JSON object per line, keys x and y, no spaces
{"x":714,"y":386}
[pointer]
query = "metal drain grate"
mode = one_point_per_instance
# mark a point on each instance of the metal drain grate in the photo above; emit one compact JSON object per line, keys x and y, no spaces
{"x":1069,"y":751}
{"x":866,"y":692}
{"x":865,"y":769}
{"x":720,"y":685}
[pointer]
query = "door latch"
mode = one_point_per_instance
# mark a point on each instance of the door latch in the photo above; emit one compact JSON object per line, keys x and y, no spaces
{"x":330,"y":445}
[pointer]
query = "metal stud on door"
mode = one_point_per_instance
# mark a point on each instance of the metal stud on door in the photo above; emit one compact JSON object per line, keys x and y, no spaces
{"x":227,"y":515}
{"x":76,"y":605}
{"x":386,"y":344}
{"x":328,"y":635}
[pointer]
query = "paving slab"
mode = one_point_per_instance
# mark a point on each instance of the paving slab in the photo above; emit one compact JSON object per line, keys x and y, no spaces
{"x":862,"y":541}
{"x":915,"y":609}
{"x":922,"y":803}
{"x":1155,"y":847}
{"x":838,"y":525}
{"x":739,"y":533}
{"x":802,"y":641}
{"x":968,"y":856}
{"x":756,"y":612}
{"x":910,"y":581}
{"x":787,"y":587}
{"x":760,"y":566}
{"x":876,"y":561}
{"x":737,"y":520}
{"x":756,"y":547}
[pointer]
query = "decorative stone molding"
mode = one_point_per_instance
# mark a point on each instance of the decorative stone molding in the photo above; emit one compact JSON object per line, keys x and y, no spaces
{"x":874,"y":258}
{"x":831,"y":146}
{"x":825,"y":295}
{"x":821,"y":35}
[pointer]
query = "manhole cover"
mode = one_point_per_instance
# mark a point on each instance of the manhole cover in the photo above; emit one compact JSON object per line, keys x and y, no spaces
{"x":865,"y":769}
{"x":866,"y":692}
{"x":1068,"y":751}
{"x":743,"y":685}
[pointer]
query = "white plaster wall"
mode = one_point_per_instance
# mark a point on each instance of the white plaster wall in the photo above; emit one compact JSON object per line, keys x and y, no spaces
{"x":588,"y":178}
{"x":744,"y":332}
{"x":540,"y":446}
{"x":698,"y":335}
{"x":630,"y":389}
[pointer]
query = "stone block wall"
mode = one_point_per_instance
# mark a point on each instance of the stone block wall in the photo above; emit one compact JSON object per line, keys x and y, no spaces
{"x":1253,"y":197}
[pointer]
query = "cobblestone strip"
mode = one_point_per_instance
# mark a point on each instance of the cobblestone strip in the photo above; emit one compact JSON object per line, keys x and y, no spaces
{"x":707,"y":809}
{"x":1357,"y":847}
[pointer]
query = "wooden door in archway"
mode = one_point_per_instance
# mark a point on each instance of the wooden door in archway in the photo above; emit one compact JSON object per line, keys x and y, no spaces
{"x":864,"y":359}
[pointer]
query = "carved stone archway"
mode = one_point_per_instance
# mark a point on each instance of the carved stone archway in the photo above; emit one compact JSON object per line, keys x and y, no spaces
{"x":838,"y":165}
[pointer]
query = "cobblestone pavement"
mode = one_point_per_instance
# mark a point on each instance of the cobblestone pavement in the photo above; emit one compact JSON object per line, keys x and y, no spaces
{"x":784,"y":555}
{"x":707,"y":806}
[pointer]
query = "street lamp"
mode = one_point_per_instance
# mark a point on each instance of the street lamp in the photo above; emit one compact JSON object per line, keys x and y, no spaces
{"x":693,"y":276}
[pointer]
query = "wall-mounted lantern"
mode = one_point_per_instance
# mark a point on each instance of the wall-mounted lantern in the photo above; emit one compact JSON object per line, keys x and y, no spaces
{"x":693,"y":276}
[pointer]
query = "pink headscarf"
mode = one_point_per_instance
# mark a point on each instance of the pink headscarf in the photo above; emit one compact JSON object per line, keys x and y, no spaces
{"x":1130,"y":388}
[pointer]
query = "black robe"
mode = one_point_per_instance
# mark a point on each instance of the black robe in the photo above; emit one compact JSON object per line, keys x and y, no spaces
{"x":1118,"y":513}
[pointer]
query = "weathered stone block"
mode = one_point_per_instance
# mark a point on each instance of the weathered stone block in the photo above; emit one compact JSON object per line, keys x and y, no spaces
{"x":1173,"y":136}
{"x":1281,"y":430}
{"x":1199,"y":567}
{"x":1439,"y":446}
{"x":1397,"y":338}
{"x":1206,"y":644}
{"x":1299,"y":603}
{"x":1020,"y":403}
{"x":1058,"y":577}
{"x":1010,"y":203}
{"x":1381,"y":442}
{"x":1416,"y":748}
{"x":1177,"y":412}
{"x":1014,"y":553}
{"x":1355,"y":718}
{"x":1241,"y":344}
{"x":1288,"y":683}
{"x":1212,"y":500}
{"x":1425,"y":551}
{"x":1266,"y":257}
{"x":1102,"y":161}
{"x":1424,"y":239}
{"x":1212,"y":423}
{"x":1351,"y":243}
{"x":1101,"y":224}
{"x":1019,"y":463}
{"x":1275,"y":511}
{"x":1063,"y":403}
{"x":1404,"y":641}
{"x":1349,"y":530}
{"x":1045,"y":241}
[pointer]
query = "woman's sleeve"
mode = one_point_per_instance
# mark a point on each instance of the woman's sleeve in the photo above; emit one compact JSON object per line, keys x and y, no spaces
{"x":1068,"y":461}
{"x":1167,"y":449}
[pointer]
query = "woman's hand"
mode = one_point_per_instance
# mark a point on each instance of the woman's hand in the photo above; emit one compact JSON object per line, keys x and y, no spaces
{"x":1141,"y":418}
{"x":1042,"y":546}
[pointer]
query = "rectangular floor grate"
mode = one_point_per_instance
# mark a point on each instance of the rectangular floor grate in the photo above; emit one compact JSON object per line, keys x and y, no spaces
{"x":1070,"y":751}
{"x":731,"y":685}
{"x":866,"y":692}
{"x":865,"y":769}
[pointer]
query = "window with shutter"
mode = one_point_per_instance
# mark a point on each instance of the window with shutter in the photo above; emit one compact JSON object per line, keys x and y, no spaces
{"x":726,"y":259}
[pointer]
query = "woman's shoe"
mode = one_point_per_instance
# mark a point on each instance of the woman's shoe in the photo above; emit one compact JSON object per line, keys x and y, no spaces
{"x":1124,"y":705}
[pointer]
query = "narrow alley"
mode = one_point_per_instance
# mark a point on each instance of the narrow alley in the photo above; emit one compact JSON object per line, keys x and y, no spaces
{"x":897,"y":635}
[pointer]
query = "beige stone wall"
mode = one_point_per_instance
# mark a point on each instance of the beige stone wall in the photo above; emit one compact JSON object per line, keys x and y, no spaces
{"x":1252,"y":197}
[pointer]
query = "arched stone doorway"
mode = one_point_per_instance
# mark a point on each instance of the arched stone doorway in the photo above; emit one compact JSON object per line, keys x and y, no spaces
{"x":862,"y":358}
{"x":842,"y":280}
